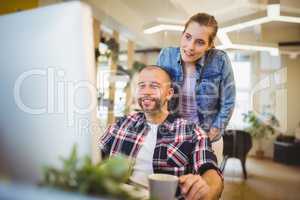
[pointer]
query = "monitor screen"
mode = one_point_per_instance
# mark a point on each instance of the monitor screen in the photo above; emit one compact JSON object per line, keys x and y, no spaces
{"x":48,"y":94}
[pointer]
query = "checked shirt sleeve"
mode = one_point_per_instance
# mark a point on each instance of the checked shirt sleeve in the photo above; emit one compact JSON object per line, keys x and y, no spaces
{"x":203,"y":155}
{"x":109,"y":136}
{"x":106,"y":140}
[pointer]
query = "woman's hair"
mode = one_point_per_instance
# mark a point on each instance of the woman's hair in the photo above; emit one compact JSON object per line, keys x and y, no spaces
{"x":204,"y":19}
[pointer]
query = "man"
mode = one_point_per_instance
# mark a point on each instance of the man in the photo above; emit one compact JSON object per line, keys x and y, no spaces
{"x":160,"y":142}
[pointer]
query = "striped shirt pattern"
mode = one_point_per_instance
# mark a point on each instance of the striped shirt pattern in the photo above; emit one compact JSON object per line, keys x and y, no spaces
{"x":187,"y":99}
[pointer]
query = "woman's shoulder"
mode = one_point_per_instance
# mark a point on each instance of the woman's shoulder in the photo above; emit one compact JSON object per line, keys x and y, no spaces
{"x":218,"y":52}
{"x":170,"y":50}
{"x":168,"y":57}
{"x":219,"y":56}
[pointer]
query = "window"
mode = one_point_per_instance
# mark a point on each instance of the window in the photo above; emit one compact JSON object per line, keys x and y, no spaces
{"x":242,"y":75}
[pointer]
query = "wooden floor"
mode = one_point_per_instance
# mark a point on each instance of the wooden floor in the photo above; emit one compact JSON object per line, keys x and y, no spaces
{"x":267,"y":180}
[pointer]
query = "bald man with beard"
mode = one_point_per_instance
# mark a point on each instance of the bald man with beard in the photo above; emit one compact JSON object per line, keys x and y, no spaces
{"x":161,"y":142}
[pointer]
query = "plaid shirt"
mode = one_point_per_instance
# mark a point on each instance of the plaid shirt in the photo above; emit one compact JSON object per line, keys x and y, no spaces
{"x":181,"y":148}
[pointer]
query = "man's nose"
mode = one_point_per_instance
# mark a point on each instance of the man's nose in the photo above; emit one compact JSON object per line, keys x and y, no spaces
{"x":145,"y":91}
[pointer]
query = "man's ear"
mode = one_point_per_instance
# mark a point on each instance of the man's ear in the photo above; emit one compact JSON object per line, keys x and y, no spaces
{"x":170,"y":93}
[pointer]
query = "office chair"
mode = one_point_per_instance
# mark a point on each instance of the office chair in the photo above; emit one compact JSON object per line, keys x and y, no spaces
{"x":237,"y":144}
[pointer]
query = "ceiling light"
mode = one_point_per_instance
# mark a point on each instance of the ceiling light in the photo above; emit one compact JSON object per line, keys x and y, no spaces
{"x":163,"y":27}
{"x":274,"y":51}
{"x":246,"y":24}
{"x":288,"y":19}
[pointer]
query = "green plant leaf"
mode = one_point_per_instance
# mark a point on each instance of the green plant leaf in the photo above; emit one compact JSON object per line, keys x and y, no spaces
{"x":259,"y":128}
{"x":83,"y":176}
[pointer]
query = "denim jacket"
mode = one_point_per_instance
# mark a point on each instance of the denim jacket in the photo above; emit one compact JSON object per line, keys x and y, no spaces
{"x":215,"y":95}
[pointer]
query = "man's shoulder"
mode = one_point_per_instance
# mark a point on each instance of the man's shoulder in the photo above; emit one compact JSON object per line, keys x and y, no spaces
{"x":189,"y":127}
{"x":176,"y":119}
{"x":130,"y":118}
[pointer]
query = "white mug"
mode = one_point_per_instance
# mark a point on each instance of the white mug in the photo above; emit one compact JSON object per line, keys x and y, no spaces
{"x":162,"y":186}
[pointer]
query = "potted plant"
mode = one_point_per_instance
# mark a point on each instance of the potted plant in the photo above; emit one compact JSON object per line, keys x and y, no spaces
{"x":260,"y":127}
{"x":81,"y":175}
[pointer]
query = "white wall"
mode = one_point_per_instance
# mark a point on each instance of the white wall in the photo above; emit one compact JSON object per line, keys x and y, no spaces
{"x":293,"y":92}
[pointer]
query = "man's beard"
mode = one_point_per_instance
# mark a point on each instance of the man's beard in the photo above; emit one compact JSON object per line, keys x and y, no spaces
{"x":158,"y":104}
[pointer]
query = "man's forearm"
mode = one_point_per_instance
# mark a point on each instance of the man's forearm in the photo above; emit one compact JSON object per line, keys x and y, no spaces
{"x":215,"y":183}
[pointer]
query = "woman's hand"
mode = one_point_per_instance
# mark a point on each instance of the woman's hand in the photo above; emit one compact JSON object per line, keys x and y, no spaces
{"x":213,"y":132}
{"x":193,"y":187}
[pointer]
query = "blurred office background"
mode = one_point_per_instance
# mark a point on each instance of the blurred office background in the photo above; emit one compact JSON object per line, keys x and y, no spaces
{"x":262,"y":39}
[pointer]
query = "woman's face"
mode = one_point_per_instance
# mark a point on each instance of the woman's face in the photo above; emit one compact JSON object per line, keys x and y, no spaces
{"x":194,"y":42}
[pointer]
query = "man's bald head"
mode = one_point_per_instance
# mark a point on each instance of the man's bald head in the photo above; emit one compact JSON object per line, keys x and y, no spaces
{"x":159,"y":71}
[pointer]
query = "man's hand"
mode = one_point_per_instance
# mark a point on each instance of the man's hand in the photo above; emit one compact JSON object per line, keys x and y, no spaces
{"x":213,"y":132}
{"x":193,"y":187}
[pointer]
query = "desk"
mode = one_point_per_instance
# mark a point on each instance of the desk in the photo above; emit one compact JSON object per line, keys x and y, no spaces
{"x":29,"y":192}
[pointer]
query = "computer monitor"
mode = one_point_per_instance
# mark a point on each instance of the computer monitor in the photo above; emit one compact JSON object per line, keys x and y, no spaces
{"x":47,"y":90}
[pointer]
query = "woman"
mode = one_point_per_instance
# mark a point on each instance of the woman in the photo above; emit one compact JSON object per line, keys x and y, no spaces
{"x":204,"y":77}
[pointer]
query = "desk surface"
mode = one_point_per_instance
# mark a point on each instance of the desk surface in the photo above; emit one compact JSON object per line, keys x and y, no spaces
{"x":29,"y":192}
